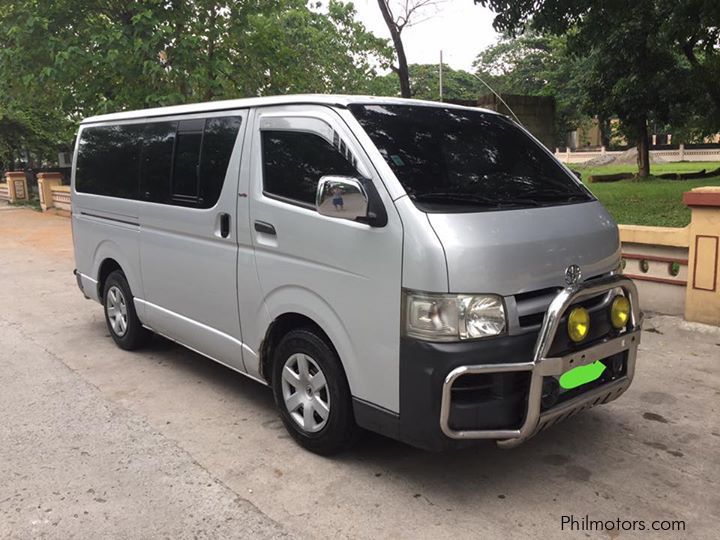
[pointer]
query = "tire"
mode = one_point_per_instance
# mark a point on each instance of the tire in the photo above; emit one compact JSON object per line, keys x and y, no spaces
{"x":122,"y":322}
{"x":320,"y":418}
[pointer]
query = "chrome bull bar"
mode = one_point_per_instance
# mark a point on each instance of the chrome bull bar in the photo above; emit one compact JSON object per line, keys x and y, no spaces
{"x":542,"y":366}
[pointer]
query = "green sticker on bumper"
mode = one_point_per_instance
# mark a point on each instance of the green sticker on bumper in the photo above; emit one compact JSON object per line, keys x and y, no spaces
{"x":581,"y":375}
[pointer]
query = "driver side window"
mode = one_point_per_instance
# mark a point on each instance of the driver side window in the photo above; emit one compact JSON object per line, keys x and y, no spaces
{"x":294,"y":162}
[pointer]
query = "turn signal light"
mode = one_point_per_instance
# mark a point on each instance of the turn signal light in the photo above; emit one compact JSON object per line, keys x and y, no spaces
{"x":578,"y":324}
{"x":620,"y":312}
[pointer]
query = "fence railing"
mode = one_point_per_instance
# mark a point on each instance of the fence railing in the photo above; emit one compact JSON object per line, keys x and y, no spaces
{"x":679,"y":154}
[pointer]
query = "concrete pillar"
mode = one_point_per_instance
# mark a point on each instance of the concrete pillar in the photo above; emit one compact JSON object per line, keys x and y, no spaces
{"x":46,"y":181}
{"x":603,"y":150}
{"x":702,"y":300}
{"x":17,"y":186}
{"x":682,"y":152}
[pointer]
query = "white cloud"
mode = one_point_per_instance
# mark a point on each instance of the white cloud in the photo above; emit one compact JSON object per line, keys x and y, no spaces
{"x":458,"y":27}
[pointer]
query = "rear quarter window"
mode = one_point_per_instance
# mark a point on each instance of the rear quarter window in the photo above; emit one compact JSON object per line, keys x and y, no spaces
{"x":108,"y":159}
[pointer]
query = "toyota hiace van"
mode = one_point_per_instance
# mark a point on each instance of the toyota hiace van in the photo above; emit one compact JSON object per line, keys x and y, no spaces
{"x":422,"y":270}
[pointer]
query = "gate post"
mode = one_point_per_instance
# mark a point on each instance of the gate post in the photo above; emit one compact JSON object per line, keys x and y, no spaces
{"x":702,"y":300}
{"x":46,"y":181}
{"x":17,"y":186}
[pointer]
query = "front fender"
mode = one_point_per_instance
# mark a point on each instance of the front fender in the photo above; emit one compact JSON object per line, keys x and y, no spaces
{"x":294,"y":299}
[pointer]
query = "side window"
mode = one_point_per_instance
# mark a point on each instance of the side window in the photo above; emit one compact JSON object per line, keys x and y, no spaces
{"x":186,"y":166}
{"x":157,"y":151}
{"x":218,"y":142}
{"x":107,"y":162}
{"x":184,"y":163}
{"x":294,"y":162}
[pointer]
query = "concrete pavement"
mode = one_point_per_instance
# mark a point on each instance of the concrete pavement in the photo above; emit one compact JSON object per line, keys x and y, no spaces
{"x":177,"y":446}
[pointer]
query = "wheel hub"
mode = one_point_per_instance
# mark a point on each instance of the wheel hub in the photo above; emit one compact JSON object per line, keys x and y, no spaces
{"x":116,"y":307}
{"x":305,"y":392}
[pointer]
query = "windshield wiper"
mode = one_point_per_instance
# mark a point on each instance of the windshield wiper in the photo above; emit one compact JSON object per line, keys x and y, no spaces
{"x":458,"y":198}
{"x":550,"y":195}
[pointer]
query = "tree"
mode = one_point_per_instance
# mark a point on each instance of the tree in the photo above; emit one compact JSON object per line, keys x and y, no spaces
{"x":425,"y":83}
{"x":407,"y":13}
{"x":534,"y":64}
{"x":632,"y":70}
{"x":694,"y":28}
{"x":62,"y":60}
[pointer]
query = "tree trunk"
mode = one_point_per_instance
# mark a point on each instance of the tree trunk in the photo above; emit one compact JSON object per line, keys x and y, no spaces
{"x":605,"y":131}
{"x":643,"y":148}
{"x":402,"y":68}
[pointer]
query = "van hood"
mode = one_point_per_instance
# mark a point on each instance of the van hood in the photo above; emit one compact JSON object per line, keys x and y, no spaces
{"x":515,"y":251}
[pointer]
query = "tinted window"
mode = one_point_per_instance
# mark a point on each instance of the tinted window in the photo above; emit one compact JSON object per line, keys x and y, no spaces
{"x":294,"y":162}
{"x":218,"y":142}
{"x":157,"y":151}
{"x":107,"y":162}
{"x":451,"y":159}
{"x":181,"y":162}
{"x":187,"y":165}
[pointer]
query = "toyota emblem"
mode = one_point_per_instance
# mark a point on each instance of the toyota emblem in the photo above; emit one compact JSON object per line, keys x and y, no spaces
{"x":572,"y":274}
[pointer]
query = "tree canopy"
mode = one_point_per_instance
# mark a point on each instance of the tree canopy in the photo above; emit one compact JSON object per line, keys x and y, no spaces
{"x":635,"y":69}
{"x":65,"y":59}
{"x":537,"y":64}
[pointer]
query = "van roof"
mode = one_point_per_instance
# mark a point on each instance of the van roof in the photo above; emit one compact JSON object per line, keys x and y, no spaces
{"x":315,"y":99}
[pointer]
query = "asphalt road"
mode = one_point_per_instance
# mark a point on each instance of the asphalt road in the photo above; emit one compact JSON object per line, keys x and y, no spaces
{"x":98,"y":442}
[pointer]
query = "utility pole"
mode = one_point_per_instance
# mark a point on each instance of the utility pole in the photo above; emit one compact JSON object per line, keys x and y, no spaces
{"x":441,"y":81}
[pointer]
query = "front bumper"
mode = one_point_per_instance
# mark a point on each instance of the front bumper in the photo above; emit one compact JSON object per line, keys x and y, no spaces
{"x":516,"y":367}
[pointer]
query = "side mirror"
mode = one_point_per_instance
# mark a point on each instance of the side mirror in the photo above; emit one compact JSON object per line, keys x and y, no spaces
{"x":342,"y":197}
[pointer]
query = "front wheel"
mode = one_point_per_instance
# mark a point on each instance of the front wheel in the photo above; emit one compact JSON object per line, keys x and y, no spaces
{"x":312,"y":393}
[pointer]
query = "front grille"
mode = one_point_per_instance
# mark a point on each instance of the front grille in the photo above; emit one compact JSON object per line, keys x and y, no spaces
{"x":531,"y":306}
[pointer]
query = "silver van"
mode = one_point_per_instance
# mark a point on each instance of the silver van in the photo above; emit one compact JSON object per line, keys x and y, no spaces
{"x":422,"y":270}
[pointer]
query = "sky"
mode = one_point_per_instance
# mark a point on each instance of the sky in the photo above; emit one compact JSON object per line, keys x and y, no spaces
{"x":458,"y":27}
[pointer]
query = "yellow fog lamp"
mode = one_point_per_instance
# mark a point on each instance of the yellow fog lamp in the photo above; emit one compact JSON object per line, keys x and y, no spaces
{"x":578,"y":324}
{"x":620,"y":312}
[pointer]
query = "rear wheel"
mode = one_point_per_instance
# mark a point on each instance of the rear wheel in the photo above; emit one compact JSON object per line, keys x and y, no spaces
{"x":312,"y":393}
{"x":123,"y":324}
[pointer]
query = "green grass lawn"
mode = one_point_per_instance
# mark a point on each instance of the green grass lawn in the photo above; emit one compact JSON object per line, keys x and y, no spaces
{"x":648,"y":202}
{"x":657,"y":168}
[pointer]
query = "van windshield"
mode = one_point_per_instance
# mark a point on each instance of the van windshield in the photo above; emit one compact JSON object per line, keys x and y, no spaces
{"x":455,"y":160}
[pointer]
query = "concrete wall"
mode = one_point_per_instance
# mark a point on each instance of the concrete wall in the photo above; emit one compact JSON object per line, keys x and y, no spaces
{"x":651,"y":255}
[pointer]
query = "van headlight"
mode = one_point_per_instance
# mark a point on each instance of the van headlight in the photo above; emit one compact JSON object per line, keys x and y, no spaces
{"x":453,"y":317}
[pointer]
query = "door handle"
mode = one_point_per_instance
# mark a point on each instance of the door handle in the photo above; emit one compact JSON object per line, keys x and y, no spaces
{"x":265,"y":228}
{"x":224,"y":225}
